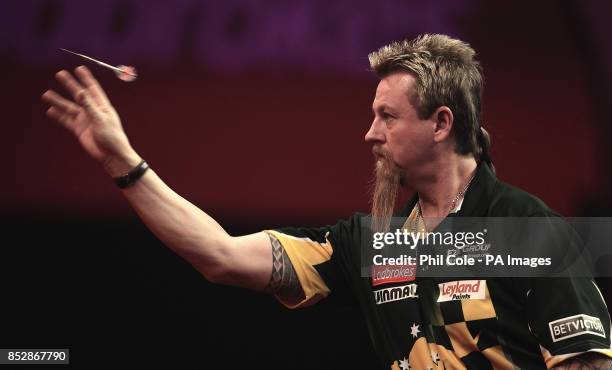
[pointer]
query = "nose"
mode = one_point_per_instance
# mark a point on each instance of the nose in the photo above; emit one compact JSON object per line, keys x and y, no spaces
{"x":375,"y":134}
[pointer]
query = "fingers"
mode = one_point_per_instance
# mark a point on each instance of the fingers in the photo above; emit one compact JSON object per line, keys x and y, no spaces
{"x":85,"y":99}
{"x":90,"y":82}
{"x":87,"y":94}
{"x":66,"y":79}
{"x":56,"y":100}
{"x":62,"y":117}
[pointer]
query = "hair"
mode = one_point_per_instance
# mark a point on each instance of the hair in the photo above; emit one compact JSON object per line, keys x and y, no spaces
{"x":447,"y":74}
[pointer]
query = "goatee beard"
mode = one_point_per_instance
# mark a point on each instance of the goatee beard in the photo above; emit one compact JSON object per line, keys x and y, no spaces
{"x":387,"y":183}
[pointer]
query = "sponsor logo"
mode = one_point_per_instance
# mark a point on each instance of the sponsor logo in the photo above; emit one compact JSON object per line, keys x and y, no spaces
{"x":575,"y":325}
{"x":474,"y":250}
{"x":396,"y":293}
{"x":462,"y":289}
{"x":385,"y":274}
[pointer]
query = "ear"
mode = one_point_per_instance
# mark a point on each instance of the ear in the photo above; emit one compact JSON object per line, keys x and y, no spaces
{"x":443,"y":123}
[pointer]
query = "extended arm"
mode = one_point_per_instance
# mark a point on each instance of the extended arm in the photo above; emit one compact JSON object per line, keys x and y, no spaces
{"x":243,"y":261}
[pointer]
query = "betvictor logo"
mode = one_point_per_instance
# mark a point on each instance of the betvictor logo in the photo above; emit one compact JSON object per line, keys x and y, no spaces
{"x":575,"y":325}
{"x":395,"y":293}
{"x":462,"y":289}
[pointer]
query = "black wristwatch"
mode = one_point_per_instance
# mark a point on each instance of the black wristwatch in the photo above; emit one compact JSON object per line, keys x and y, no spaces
{"x":132,"y":176}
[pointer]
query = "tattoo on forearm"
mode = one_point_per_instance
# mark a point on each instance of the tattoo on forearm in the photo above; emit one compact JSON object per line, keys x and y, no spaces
{"x":284,"y":282}
{"x":586,"y":361}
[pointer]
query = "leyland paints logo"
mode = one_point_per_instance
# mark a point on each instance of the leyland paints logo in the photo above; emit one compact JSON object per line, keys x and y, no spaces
{"x":462,"y":289}
{"x":575,"y":325}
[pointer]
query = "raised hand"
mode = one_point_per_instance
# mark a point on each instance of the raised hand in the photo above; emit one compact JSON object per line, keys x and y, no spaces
{"x":92,"y":119}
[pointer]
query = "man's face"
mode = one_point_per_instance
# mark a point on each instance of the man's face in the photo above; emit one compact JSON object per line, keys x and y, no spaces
{"x":397,"y":132}
{"x":401,"y":142}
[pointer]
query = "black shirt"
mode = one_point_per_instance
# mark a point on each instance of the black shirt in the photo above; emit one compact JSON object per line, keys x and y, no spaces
{"x":504,"y":323}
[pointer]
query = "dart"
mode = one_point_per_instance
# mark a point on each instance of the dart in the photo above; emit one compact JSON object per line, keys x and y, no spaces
{"x":124,"y":73}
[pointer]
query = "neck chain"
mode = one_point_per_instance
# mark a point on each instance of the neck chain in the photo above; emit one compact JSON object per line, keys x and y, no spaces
{"x":453,"y":203}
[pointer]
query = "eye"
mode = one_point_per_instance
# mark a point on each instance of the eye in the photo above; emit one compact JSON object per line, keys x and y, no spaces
{"x":387,"y":116}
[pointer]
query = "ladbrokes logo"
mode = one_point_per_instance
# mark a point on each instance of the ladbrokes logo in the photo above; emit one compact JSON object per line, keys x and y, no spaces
{"x":384,"y":274}
{"x":462,"y":289}
{"x":395,"y":293}
{"x":575,"y":325}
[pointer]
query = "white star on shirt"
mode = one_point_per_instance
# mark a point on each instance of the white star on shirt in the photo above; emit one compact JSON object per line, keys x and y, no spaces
{"x":414,"y":330}
{"x":404,"y":364}
{"x":435,"y":358}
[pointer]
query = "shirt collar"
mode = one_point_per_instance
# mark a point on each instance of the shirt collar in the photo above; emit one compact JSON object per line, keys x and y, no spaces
{"x":476,"y":201}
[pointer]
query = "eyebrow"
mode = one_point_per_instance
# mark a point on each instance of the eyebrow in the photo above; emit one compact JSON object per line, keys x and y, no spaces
{"x":383,"y":107}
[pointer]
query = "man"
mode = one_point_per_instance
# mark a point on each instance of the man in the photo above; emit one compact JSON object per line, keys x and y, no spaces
{"x":426,"y":135}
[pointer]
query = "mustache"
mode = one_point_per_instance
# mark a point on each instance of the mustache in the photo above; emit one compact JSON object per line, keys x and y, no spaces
{"x":391,"y":167}
{"x":377,"y":151}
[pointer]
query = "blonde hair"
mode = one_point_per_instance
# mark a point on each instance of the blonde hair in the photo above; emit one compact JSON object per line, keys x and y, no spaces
{"x":447,"y":74}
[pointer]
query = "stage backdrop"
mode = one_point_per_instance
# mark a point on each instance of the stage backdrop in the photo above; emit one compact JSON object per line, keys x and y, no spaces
{"x":256,"y":112}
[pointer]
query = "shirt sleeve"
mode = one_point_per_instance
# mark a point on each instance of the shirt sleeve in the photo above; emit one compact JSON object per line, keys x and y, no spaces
{"x":304,"y":254}
{"x":321,"y":258}
{"x":569,"y":317}
{"x":567,"y":313}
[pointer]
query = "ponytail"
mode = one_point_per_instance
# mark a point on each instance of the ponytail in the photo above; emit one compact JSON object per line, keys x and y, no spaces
{"x":484,"y":148}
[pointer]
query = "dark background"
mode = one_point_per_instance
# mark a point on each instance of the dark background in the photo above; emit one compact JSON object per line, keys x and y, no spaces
{"x":256,"y":112}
